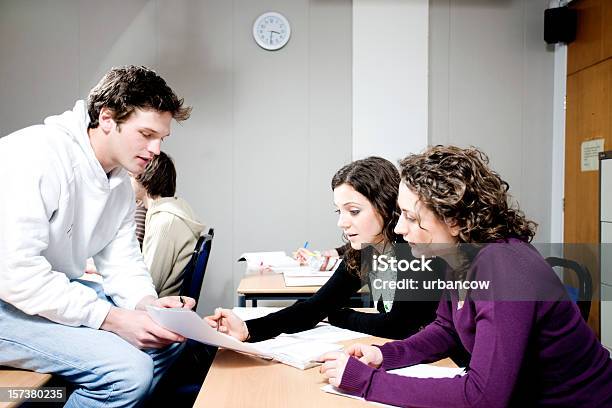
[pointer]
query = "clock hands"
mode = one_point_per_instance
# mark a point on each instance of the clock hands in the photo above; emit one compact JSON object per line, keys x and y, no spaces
{"x":272,"y":31}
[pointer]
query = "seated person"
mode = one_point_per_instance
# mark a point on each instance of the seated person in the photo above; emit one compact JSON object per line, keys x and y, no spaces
{"x":171,"y":230}
{"x":529,"y":347}
{"x":365,"y":196}
{"x":66,"y":197}
{"x":301,"y":254}
{"x":139,"y":218}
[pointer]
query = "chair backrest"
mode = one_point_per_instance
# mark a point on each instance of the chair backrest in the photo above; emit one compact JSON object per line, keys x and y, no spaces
{"x":585,"y":283}
{"x":193,"y":274}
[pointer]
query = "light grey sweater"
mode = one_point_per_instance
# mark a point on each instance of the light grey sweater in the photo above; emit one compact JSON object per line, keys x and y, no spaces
{"x":171,"y":233}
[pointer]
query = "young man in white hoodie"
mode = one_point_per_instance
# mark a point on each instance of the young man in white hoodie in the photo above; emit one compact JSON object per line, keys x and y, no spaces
{"x":171,"y":228}
{"x":67,"y":197}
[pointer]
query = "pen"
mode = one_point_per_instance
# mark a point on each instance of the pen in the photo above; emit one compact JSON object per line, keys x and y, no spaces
{"x":305,"y":247}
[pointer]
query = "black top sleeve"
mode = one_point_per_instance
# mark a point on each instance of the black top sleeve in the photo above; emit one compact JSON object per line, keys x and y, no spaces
{"x":305,"y":315}
{"x":402,"y":321}
{"x":411,"y":311}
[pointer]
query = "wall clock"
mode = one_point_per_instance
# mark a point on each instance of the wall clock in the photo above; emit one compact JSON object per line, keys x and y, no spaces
{"x":271,"y":31}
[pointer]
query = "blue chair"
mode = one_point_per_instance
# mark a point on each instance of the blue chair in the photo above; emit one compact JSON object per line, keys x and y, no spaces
{"x":583,"y":294}
{"x":193,"y":274}
{"x":181,"y":384}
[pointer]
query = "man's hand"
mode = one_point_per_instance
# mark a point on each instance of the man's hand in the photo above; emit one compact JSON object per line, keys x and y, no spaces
{"x":138,"y":329}
{"x":166,"y":302}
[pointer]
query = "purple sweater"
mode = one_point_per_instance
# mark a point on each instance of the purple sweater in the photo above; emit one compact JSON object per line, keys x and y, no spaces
{"x":524,"y":353}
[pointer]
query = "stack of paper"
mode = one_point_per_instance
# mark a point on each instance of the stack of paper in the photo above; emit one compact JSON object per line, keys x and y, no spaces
{"x":327,"y":334}
{"x":292,"y":351}
{"x":305,"y":276}
{"x":276,"y":261}
{"x":418,"y":371}
{"x":296,"y":352}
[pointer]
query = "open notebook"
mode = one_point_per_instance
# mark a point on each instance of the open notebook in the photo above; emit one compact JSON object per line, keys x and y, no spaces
{"x":293,"y":351}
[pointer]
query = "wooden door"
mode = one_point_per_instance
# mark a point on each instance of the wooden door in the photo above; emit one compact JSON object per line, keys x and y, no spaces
{"x":588,"y":117}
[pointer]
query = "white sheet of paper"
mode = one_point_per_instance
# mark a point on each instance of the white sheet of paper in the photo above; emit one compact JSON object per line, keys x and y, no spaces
{"x":291,"y":281}
{"x":248,"y":313}
{"x":291,"y":351}
{"x":428,"y":371}
{"x":328,"y":334}
{"x":188,"y":324}
{"x":296,"y":352}
{"x":417,"y":371}
{"x":303,"y":354}
{"x":273,"y":259}
{"x":589,"y":154}
{"x":306,"y":272}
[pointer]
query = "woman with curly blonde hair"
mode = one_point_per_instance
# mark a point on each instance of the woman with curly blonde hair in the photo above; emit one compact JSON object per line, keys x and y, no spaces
{"x":524,"y":352}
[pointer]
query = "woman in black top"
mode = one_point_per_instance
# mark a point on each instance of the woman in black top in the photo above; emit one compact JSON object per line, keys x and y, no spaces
{"x":365,"y":195}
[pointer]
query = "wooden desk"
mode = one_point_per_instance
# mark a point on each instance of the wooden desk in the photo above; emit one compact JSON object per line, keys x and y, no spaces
{"x":238,"y":380}
{"x":272,"y":287}
{"x":10,"y":377}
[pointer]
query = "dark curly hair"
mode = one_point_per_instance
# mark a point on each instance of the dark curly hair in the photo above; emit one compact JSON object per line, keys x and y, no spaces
{"x":377,"y":179}
{"x":461,"y":189}
{"x":124,"y":89}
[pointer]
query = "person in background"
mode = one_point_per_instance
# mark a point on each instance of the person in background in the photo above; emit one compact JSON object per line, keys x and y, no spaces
{"x":529,"y":348}
{"x":140,"y":216}
{"x":365,"y":196}
{"x":301,"y":254}
{"x":171,"y":228}
{"x":66,"y":198}
{"x":171,"y":232}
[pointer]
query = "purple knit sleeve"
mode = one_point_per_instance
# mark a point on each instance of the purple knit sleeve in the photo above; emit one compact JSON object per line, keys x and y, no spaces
{"x":356,"y":377}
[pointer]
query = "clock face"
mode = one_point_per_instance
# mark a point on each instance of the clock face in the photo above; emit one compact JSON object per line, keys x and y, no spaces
{"x":271,"y":31}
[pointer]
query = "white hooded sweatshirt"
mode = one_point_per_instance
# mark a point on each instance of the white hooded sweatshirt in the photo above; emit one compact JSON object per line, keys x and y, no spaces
{"x":58,"y":208}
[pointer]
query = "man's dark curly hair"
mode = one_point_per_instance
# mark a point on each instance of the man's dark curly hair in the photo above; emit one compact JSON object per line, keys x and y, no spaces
{"x":124,"y":89}
{"x":461,"y":189}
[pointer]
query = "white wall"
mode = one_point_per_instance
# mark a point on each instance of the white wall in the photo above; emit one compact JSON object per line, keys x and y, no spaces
{"x":268,"y":129}
{"x":492,"y":86}
{"x":558,"y":145}
{"x":390,"y":68}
